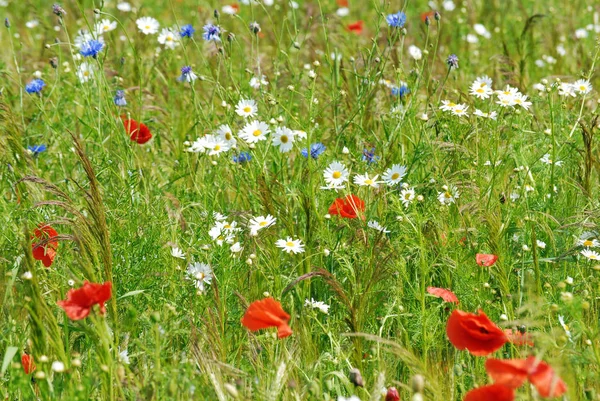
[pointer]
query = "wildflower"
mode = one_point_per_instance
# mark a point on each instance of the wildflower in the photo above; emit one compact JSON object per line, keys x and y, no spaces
{"x":415,"y":52}
{"x":394,"y":174}
{"x":254,"y":27}
{"x":452,"y":61}
{"x":460,"y":110}
{"x":138,"y":132}
{"x":215,"y":145}
{"x":254,"y":131}
{"x":177,"y":253}
{"x":85,"y":72}
{"x":187,"y":31}
{"x":27,"y":363}
{"x":547,"y":160}
{"x":392,"y":394}
{"x":396,"y":20}
{"x":241,"y":158}
{"x":443,"y":293}
{"x":79,"y":302}
{"x":582,"y":86}
{"x":493,"y":392}
{"x":566,"y":89}
{"x":336,"y":174}
{"x":376,"y":226}
{"x":475,"y":333}
{"x":230,"y":9}
{"x":407,"y":195}
{"x":322,"y":306}
{"x":37,"y":149}
{"x":356,"y":27}
{"x":400,"y":91}
{"x":124,"y":6}
{"x":522,"y":101}
{"x":212,"y":32}
{"x":187,"y":75}
{"x":561,"y":321}
{"x":267,"y":313}
{"x":236,"y":248}
{"x":260,"y":222}
{"x":169,"y":38}
{"x":201,"y":274}
{"x":540,"y":244}
{"x":588,"y":242}
{"x":105,"y":26}
{"x":513,"y":373}
{"x":284,"y":139}
{"x":447,"y":105}
{"x":35,"y":86}
{"x":365,"y":180}
{"x":58,"y":367}
{"x":290,"y":246}
{"x":224,"y":132}
{"x":147,"y":25}
{"x":246,"y":108}
{"x":348,"y":207}
{"x":369,"y":156}
{"x":120,"y":98}
{"x":516,"y":337}
{"x":449,"y":195}
{"x":45,"y":248}
{"x":316,"y":149}
{"x":58,"y":10}
{"x":481,"y":91}
{"x":591,"y":255}
{"x":256,"y":82}
{"x":485,"y":260}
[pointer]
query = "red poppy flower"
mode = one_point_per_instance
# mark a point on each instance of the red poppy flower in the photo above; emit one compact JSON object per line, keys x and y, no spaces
{"x":517,"y":338}
{"x":392,"y":394}
{"x":475,"y":333}
{"x":267,"y":313}
{"x":513,"y":373}
{"x":443,"y":293}
{"x":356,"y":27}
{"x":45,"y":250}
{"x":495,"y":392}
{"x":79,"y":302}
{"x":342,"y":3}
{"x":27,"y":363}
{"x":426,"y":14}
{"x":349,"y":207}
{"x":138,"y":132}
{"x":486,"y":260}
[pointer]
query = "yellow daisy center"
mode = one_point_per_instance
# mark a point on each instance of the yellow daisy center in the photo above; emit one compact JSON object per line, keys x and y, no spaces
{"x":228,"y":136}
{"x":336,"y":174}
{"x":247,"y":109}
{"x":262,"y":223}
{"x":395,"y":176}
{"x":587,"y":242}
{"x":257,"y":132}
{"x":368,"y":181}
{"x":289,"y":244}
{"x":217,"y":147}
{"x":284,"y":139}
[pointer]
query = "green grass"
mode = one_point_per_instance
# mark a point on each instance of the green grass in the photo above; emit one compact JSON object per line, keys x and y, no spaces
{"x":120,"y":206}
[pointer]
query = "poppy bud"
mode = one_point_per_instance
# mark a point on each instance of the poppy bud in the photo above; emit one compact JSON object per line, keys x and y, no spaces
{"x":356,"y":377}
{"x":230,"y":37}
{"x":216,"y":14}
{"x":427,"y":22}
{"x":297,"y":45}
{"x":392,"y":394}
{"x":437,"y":16}
{"x":6,"y":23}
{"x":27,"y":363}
{"x":54,"y":62}
{"x":418,"y":383}
{"x":96,"y":11}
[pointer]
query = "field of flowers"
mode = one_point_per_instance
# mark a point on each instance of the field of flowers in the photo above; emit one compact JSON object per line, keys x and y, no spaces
{"x":300,"y":200}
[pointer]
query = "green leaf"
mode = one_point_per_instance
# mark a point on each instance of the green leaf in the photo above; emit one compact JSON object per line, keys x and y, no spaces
{"x":10,"y":354}
{"x":131,"y":294}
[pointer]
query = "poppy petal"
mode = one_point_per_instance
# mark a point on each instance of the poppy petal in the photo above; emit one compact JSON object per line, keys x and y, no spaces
{"x":443,"y":293}
{"x":510,"y":373}
{"x":545,"y":380}
{"x":267,"y":313}
{"x":494,"y":392}
{"x":486,"y":260}
{"x":475,"y":333}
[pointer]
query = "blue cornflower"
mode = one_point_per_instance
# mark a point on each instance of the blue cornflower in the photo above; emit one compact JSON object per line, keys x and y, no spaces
{"x":187,"y":31}
{"x":400,"y":91}
{"x":243,"y":157}
{"x":212,"y":32}
{"x":187,"y":75}
{"x":120,"y":98}
{"x":35,"y":86}
{"x":369,"y":156}
{"x":396,"y":20}
{"x":91,"y":48}
{"x":452,"y":61}
{"x":315,"y":150}
{"x":37,"y":149}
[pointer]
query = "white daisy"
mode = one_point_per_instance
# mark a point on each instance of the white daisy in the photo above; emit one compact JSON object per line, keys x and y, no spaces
{"x":226,"y":134}
{"x":124,"y":6}
{"x":256,"y":83}
{"x":215,"y":145}
{"x":483,"y":82}
{"x":407,"y":195}
{"x":201,"y":274}
{"x":506,"y":100}
{"x":566,"y":89}
{"x":246,"y":108}
{"x":322,"y":306}
{"x":147,"y":25}
{"x":592,"y":255}
{"x":582,"y":86}
{"x":394,"y":174}
{"x":85,"y":72}
{"x":447,"y":105}
{"x":169,"y":38}
{"x":415,"y":52}
{"x":254,"y":132}
{"x":229,"y":10}
{"x":521,"y":100}
{"x":540,"y":244}
{"x":460,"y":110}
{"x":449,"y":195}
{"x":290,"y":246}
{"x":105,"y":25}
{"x":365,"y":180}
{"x":177,"y":253}
{"x":375,"y":225}
{"x":258,"y":223}
{"x":547,"y":160}
{"x":284,"y":139}
{"x":481,"y":92}
{"x":589,"y":242}
{"x":336,"y":174}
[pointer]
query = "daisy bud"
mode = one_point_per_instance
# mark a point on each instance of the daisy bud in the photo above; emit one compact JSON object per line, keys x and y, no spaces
{"x":316,"y":63}
{"x":420,"y":198}
{"x":503,"y":317}
{"x":399,"y":218}
{"x":486,"y":285}
{"x":377,"y":60}
{"x":296,"y":45}
{"x":27,"y":276}
{"x":214,"y":162}
{"x":252,"y":256}
{"x":71,"y":283}
{"x":205,"y":247}
{"x":230,"y":388}
{"x":280,"y":119}
{"x":327,"y":216}
{"x":252,"y":146}
{"x":392,"y":394}
{"x":326,"y":252}
{"x":266,"y":294}
{"x":76,"y":362}
{"x":58,"y":366}
{"x":356,"y":378}
{"x":291,"y":87}
{"x":44,"y":359}
{"x":249,"y":261}
{"x":417,"y":383}
{"x":345,"y":150}
{"x":588,"y":342}
{"x":96,"y":11}
{"x":417,"y":397}
{"x":40,"y":375}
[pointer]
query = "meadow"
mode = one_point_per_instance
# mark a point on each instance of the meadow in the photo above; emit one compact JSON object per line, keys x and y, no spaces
{"x":300,"y":200}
